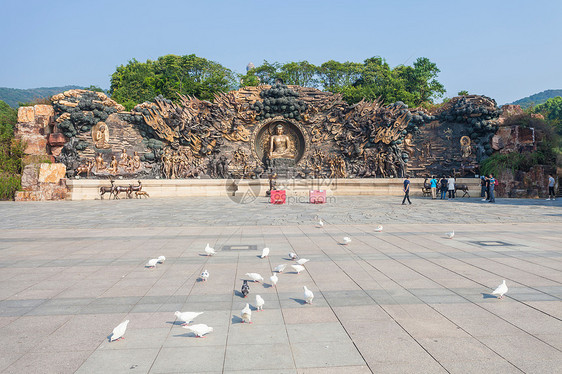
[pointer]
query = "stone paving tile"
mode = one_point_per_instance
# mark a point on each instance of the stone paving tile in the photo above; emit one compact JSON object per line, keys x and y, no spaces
{"x":251,"y":357}
{"x":119,"y":361}
{"x":325,"y":354}
{"x":39,"y":363}
{"x":403,"y":300}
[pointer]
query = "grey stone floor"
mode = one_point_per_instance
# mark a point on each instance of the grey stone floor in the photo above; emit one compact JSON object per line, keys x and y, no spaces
{"x":403,"y":300}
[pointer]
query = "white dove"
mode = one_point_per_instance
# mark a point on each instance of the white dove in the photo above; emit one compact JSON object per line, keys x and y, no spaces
{"x":199,"y":330}
{"x":259,"y":302}
{"x":246,"y":314}
{"x":161,"y":259}
{"x":274,"y":279}
{"x":209,"y":251}
{"x":265,"y":252}
{"x":379,"y":228}
{"x":298,"y":268}
{"x":293,"y":256}
{"x":151,"y":263}
{"x":320,"y":223}
{"x":308,"y":295}
{"x":119,"y":331}
{"x":255,"y":277}
{"x":280,"y":268}
{"x":450,"y":235}
{"x":205,"y":275}
{"x":500,"y":290}
{"x":187,"y":317}
{"x":302,"y":261}
{"x":346,"y":240}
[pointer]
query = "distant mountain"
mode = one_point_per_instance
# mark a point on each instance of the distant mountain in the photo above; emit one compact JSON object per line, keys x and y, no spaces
{"x":13,"y":96}
{"x":538,"y":98}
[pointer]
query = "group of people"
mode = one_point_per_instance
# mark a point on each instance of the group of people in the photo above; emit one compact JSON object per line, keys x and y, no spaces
{"x":445,"y":184}
{"x":487,"y":183}
{"x":487,"y":186}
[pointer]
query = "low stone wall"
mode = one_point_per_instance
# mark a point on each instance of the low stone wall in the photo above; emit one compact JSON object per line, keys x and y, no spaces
{"x":88,"y":189}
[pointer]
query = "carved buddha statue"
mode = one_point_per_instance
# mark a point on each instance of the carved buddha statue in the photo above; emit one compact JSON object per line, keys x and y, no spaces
{"x":280,"y":145}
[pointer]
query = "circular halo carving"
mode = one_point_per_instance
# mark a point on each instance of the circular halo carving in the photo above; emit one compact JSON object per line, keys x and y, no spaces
{"x":298,"y":138}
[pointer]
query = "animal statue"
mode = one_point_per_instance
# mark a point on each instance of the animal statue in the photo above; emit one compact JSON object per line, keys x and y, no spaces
{"x":463,"y":188}
{"x":110,"y":190}
{"x":87,"y":168}
{"x":118,"y":189}
{"x":135,"y":189}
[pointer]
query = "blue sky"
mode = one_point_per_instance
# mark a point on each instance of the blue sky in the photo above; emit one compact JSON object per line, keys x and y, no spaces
{"x":503,"y":49}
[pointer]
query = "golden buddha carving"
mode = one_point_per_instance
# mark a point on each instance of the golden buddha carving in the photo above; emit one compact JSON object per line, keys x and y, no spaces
{"x":280,"y":145}
{"x":100,"y":136}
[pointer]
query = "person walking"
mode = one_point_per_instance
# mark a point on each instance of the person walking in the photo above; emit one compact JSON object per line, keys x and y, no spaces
{"x":433,"y":182}
{"x":551,"y":183}
{"x":451,"y":187}
{"x":444,"y":184}
{"x":406,"y":190}
{"x":492,"y":186}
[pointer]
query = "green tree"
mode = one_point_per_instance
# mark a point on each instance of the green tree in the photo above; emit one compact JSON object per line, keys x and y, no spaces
{"x":334,"y":75}
{"x":94,"y":88}
{"x":137,"y":82}
{"x":462,"y":93}
{"x":551,"y":109}
{"x":266,"y":73}
{"x":8,"y":115}
{"x":300,"y":73}
{"x":11,"y":153}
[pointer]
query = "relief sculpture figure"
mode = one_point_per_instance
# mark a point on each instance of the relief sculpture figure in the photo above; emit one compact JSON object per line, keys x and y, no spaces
{"x":280,"y":145}
{"x":100,"y":136}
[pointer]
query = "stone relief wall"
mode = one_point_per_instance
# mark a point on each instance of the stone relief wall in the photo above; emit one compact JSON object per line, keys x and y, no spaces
{"x":289,"y":130}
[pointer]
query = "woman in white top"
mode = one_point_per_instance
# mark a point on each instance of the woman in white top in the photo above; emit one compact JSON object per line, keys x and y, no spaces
{"x":451,"y":187}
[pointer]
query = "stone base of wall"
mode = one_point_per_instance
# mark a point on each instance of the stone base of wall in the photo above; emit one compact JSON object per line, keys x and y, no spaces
{"x":88,"y":189}
{"x":43,"y":182}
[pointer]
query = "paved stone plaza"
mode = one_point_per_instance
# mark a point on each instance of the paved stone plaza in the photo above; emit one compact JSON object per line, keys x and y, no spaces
{"x":405,"y":300}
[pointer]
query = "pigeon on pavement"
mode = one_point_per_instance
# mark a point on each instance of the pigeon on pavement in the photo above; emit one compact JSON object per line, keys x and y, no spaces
{"x":119,"y":331}
{"x":186,"y":317}
{"x":500,"y":290}
{"x":199,"y":330}
{"x":308,"y":295}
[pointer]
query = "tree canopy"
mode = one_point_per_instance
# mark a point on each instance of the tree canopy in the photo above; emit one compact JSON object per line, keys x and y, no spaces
{"x":374,"y":78}
{"x":137,"y":81}
{"x":415,"y":85}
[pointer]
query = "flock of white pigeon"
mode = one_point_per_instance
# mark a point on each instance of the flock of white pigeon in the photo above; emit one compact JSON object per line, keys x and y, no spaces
{"x":200,"y":330}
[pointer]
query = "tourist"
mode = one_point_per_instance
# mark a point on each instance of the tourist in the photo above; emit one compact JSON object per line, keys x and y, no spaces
{"x":433,"y":182}
{"x":451,"y":187}
{"x":444,"y":184}
{"x":486,"y":188}
{"x":406,"y":191}
{"x":551,"y":182}
{"x":493,"y":184}
{"x":483,"y":187}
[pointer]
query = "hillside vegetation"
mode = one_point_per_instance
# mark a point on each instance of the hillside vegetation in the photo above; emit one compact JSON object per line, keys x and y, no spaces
{"x":14,"y":96}
{"x":537,"y":98}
